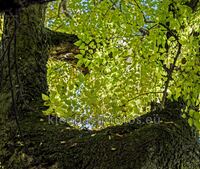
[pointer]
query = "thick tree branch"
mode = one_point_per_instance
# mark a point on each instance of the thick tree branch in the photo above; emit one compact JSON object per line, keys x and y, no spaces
{"x":56,"y":38}
{"x":61,"y":45}
{"x":155,"y":140}
{"x":6,"y":5}
{"x":62,"y":48}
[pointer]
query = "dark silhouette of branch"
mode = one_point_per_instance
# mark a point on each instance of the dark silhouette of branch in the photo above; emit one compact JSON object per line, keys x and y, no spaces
{"x":169,"y":74}
{"x":56,"y":38}
{"x":170,"y":70}
{"x":7,"y":5}
{"x":192,"y":4}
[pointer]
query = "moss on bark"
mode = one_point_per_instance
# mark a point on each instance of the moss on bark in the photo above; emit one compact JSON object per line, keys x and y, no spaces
{"x":23,"y":62}
{"x":165,"y":145}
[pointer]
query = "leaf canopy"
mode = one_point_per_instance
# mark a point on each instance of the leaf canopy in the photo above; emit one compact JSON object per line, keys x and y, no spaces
{"x":135,"y":50}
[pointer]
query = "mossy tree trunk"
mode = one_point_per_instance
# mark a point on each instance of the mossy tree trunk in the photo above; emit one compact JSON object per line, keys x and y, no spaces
{"x":23,"y":61}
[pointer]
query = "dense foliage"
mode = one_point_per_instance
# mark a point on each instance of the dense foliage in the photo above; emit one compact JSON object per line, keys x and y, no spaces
{"x":135,"y":51}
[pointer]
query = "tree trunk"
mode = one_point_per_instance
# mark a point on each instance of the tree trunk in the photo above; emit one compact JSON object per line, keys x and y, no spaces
{"x":23,"y":62}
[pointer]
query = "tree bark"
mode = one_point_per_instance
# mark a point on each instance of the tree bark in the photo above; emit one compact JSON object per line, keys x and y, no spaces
{"x":12,"y":5}
{"x":49,"y":144}
{"x":23,"y":62}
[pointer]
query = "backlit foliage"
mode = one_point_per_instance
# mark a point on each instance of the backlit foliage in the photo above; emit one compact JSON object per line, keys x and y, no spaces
{"x":129,"y":48}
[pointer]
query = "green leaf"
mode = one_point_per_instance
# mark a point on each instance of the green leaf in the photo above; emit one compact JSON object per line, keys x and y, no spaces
{"x":197,"y":124}
{"x":196,"y":115}
{"x":78,"y":43}
{"x":184,"y":116}
{"x":45,"y":97}
{"x":190,"y":121}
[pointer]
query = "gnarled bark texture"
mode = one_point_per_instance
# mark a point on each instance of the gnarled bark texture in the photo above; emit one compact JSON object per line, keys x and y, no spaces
{"x":169,"y":144}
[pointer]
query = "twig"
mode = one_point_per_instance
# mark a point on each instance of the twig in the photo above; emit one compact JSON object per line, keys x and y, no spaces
{"x":172,"y":67}
{"x":145,"y":20}
{"x":139,"y":95}
{"x":142,"y":94}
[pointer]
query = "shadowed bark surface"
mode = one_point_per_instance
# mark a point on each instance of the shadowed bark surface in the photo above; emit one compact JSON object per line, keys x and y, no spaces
{"x":165,"y":145}
{"x":23,"y":60}
{"x":17,"y":4}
